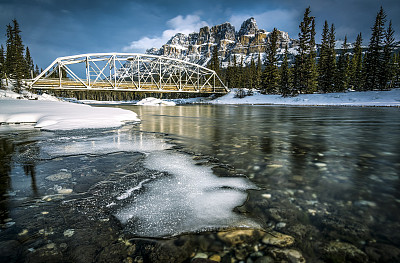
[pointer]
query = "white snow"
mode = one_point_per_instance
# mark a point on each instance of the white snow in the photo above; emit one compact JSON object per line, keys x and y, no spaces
{"x":57,"y":115}
{"x":367,"y":98}
{"x":150,"y":101}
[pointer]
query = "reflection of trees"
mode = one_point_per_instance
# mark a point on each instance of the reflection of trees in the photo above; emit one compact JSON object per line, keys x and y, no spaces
{"x":6,"y":152}
{"x":29,"y":152}
{"x":29,"y":169}
{"x":308,"y":140}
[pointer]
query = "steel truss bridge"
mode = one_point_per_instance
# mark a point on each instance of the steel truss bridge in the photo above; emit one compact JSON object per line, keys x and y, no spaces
{"x":127,"y":72}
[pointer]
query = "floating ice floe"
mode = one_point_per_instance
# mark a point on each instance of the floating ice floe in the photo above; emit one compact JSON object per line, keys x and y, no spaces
{"x":150,"y":101}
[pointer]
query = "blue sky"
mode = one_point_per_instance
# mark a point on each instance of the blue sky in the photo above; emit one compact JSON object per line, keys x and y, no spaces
{"x":59,"y":28}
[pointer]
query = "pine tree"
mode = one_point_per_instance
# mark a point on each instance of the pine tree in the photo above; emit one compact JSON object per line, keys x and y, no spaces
{"x":388,"y":63}
{"x":285,"y":87}
{"x":311,"y":62}
{"x":214,"y":63}
{"x":2,"y":66}
{"x":233,"y":73}
{"x":37,"y":71}
{"x":10,"y":54}
{"x":342,"y":73}
{"x":29,"y":64}
{"x":270,"y":76}
{"x":327,"y":61}
{"x":374,"y":60}
{"x":252,"y":74}
{"x":15,"y":61}
{"x":396,"y":71}
{"x":356,"y":70}
{"x":258,"y":72}
{"x":305,"y":73}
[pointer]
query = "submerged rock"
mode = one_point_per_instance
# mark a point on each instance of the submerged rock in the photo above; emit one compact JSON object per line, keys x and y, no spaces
{"x":278,"y":239}
{"x":59,"y":176}
{"x":290,"y":255}
{"x":343,"y":252}
{"x":240,"y":236}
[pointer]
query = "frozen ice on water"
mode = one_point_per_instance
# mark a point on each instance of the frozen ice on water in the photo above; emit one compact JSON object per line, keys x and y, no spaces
{"x":105,"y":143}
{"x":191,"y":199}
{"x":129,"y":192}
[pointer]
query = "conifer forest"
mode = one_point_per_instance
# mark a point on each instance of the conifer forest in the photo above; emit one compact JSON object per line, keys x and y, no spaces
{"x":320,"y":68}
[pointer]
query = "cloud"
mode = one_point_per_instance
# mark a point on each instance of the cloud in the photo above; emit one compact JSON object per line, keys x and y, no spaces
{"x":179,"y":24}
{"x":282,"y":19}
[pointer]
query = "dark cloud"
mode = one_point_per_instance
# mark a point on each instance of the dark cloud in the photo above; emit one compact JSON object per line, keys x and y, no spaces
{"x":56,"y":28}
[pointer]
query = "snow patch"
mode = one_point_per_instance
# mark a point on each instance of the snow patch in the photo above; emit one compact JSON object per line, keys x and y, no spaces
{"x":150,"y":101}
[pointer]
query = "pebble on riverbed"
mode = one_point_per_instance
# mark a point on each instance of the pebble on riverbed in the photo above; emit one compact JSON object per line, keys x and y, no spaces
{"x":69,"y":232}
{"x":59,"y":176}
{"x":250,"y":246}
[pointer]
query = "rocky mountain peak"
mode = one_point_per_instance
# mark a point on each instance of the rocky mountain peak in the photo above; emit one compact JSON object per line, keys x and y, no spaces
{"x":249,"y":27}
{"x":178,"y":39}
{"x":245,"y":45}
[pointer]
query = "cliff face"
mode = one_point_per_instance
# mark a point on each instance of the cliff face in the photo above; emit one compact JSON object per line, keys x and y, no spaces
{"x":247,"y":43}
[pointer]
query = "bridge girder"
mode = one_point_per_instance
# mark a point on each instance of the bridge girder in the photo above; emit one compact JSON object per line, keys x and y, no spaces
{"x":129,"y":72}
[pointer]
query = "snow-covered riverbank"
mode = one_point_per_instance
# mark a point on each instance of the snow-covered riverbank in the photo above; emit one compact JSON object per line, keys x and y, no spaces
{"x":49,"y":113}
{"x":367,"y":98}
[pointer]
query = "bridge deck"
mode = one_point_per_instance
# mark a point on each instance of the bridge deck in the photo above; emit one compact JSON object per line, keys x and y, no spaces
{"x":66,"y":84}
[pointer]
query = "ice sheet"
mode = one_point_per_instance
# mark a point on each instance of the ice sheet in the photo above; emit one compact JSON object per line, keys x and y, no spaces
{"x":191,"y":199}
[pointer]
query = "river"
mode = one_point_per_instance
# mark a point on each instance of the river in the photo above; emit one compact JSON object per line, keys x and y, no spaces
{"x":327,"y":178}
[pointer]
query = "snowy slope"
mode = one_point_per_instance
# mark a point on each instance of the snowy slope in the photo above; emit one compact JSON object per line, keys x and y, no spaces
{"x":368,"y":98}
{"x":48,"y":112}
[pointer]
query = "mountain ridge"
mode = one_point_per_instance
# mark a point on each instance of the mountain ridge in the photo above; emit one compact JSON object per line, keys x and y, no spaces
{"x":244,"y":45}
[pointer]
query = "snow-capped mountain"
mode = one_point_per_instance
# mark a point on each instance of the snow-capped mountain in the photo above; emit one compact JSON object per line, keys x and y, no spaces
{"x":247,"y":43}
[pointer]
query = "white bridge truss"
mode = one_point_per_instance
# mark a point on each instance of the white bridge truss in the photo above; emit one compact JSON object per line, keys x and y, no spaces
{"x":129,"y":72}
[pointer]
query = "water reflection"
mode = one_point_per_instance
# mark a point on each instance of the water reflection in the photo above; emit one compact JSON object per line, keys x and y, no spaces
{"x":331,"y":164}
{"x":17,"y":163}
{"x":6,"y":153}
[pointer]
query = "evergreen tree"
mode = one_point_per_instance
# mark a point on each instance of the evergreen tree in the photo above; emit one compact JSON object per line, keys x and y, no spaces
{"x":285,"y":87}
{"x":15,"y":61}
{"x":37,"y":71}
{"x":10,"y":54}
{"x":252,"y":74}
{"x":305,"y":73}
{"x":2,"y":66}
{"x":388,"y":63}
{"x":233,"y":73}
{"x":270,"y":77}
{"x":396,"y":71}
{"x":311,"y":62}
{"x":258,"y":72}
{"x":342,"y":75}
{"x":30,"y":68}
{"x":373,"y":69}
{"x":327,"y":60}
{"x":214,"y":63}
{"x":240,"y":74}
{"x":355,"y":71}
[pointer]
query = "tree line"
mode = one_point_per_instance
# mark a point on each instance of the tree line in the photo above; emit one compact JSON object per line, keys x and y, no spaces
{"x":376,"y":68}
{"x":16,"y":62}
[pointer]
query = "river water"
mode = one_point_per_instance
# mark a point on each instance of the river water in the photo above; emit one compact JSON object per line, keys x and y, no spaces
{"x":328,"y":177}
